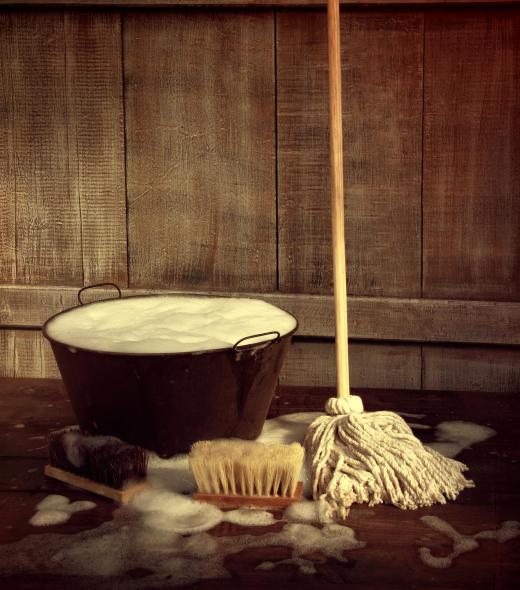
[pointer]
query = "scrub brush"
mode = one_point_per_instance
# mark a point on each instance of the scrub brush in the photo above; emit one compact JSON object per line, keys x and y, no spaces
{"x":235,"y":473}
{"x":104,"y":465}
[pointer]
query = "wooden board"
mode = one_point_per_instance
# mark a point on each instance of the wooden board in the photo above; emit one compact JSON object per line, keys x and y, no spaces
{"x":62,"y":195}
{"x":382,"y":90}
{"x":472,"y":155}
{"x":7,"y":159}
{"x":96,"y":143}
{"x":390,"y":366}
{"x":7,"y":353}
{"x":469,"y":368}
{"x":200,"y":149}
{"x":26,"y":353}
{"x":48,"y":239}
{"x":370,"y":318}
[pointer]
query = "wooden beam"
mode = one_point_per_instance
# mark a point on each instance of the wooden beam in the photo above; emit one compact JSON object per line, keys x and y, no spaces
{"x":382,"y":365}
{"x":370,"y":318}
{"x":470,"y":368}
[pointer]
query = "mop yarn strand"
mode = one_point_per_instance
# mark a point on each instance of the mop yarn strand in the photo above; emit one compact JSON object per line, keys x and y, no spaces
{"x":374,"y":458}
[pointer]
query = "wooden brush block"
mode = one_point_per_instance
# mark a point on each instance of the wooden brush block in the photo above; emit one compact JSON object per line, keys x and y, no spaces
{"x":266,"y":502}
{"x":121,"y":496}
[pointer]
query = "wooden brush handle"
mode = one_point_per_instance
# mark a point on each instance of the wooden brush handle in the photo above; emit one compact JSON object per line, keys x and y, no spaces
{"x":338,"y":204}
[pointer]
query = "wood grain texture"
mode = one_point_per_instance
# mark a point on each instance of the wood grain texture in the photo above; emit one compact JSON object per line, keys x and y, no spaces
{"x":339,"y":271}
{"x":26,"y":353}
{"x":373,"y":318}
{"x":7,"y":353}
{"x":96,"y":140}
{"x":200,"y":149}
{"x":472,"y":155}
{"x":33,"y":355}
{"x":452,"y":368}
{"x":382,"y":133}
{"x":7,"y":159}
{"x":62,"y":196}
{"x":390,"y":366}
{"x":48,"y":240}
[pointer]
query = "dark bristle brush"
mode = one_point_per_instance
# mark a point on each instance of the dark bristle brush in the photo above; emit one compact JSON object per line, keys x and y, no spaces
{"x":103,"y":465}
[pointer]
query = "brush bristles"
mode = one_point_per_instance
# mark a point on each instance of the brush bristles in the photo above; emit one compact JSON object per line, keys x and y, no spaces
{"x":104,"y":459}
{"x":244,"y":468}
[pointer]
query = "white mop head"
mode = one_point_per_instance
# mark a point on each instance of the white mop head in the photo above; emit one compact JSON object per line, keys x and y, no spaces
{"x":374,"y":458}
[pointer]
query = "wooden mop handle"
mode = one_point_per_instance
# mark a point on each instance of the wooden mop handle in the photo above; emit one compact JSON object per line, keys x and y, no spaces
{"x":338,"y":203}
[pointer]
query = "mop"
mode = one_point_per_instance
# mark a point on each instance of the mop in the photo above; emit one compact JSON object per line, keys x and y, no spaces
{"x":357,"y":456}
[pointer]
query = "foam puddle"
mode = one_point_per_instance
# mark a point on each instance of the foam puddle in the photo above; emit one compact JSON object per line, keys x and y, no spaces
{"x":134,"y":541}
{"x":463,"y":543}
{"x":455,"y":436}
{"x":56,"y":509}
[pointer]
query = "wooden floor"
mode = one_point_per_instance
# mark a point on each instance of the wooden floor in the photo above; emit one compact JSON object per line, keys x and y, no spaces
{"x":393,"y":537}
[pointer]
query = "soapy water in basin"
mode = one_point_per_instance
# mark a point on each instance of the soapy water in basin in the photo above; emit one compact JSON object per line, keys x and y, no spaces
{"x":168,"y":324}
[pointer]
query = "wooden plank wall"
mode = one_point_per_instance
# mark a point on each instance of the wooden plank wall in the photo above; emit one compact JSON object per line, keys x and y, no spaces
{"x":187,"y":149}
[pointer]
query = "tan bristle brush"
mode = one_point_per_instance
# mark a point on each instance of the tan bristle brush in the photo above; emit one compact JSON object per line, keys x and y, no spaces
{"x":234,"y":473}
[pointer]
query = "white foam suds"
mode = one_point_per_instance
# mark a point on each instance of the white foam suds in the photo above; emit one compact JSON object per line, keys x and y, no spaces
{"x":303,"y":511}
{"x":332,"y":540}
{"x":408,"y":415}
{"x":288,"y":428}
{"x":417,"y":426}
{"x":454,"y":436}
{"x":169,"y":511}
{"x":305,"y":566}
{"x":173,"y":474}
{"x":56,"y":509}
{"x":463,"y":543}
{"x":246,"y":517}
{"x":168,"y":324}
{"x":128,"y":542}
{"x":175,"y":513}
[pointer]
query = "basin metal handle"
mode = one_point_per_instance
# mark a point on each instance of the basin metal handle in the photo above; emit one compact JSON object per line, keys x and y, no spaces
{"x":99,"y":285}
{"x":235,"y":346}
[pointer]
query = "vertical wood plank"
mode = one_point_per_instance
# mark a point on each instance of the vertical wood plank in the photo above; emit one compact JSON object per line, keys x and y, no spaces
{"x":382,"y":95}
{"x":96,"y":140}
{"x":200,"y":149}
{"x":48,"y":239}
{"x":392,"y":366}
{"x":33,"y":355}
{"x":453,"y":368}
{"x":7,"y":184}
{"x":472,"y":155}
{"x":6,"y":353}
